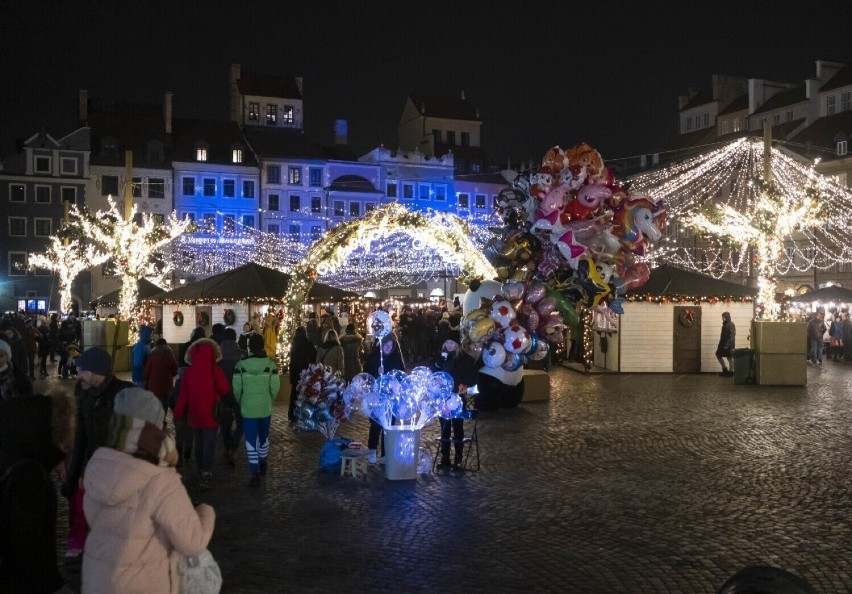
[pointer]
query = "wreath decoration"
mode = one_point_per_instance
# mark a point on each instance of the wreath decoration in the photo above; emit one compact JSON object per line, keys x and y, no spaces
{"x":686,"y":318}
{"x":230,"y":317}
{"x":202,"y":318}
{"x":177,"y":318}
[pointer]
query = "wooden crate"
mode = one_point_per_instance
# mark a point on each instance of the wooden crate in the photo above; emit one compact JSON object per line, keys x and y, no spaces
{"x":781,"y":369}
{"x":536,"y":385}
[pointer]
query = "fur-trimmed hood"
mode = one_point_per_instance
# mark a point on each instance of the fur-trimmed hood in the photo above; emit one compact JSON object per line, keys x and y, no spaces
{"x":201,"y":347}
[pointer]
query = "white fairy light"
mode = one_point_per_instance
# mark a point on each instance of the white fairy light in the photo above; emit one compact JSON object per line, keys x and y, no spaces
{"x":67,"y":261}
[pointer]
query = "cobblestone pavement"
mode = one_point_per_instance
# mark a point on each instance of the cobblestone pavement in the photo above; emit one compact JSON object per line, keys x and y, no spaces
{"x":620,"y":483}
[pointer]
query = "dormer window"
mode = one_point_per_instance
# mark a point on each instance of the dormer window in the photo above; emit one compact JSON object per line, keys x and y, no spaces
{"x":287,"y":114}
{"x":271,"y":114}
{"x":842,"y":148}
{"x":200,"y":153}
{"x":236,"y":155}
{"x":254,"y":112}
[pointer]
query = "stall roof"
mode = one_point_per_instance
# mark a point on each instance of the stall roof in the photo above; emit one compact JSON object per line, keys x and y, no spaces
{"x":826,"y":295}
{"x":666,"y":280}
{"x":250,"y":282}
{"x":146,"y":290}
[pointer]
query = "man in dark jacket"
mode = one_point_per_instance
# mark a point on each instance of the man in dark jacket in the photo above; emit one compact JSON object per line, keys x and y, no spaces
{"x":465,"y":373}
{"x":95,"y":392}
{"x":727,"y":341}
{"x":231,"y":434}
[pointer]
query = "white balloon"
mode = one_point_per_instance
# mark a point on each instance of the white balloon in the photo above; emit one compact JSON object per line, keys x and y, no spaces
{"x":493,"y":355}
{"x":487,"y":289}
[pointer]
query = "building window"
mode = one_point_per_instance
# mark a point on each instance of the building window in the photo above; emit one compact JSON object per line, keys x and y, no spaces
{"x":136,"y":187}
{"x":248,"y":221}
{"x":294,"y":176}
{"x":188,"y":184}
{"x":109,"y":185}
{"x":316,"y":176}
{"x":830,"y":104}
{"x":737,"y":124}
{"x":248,"y":189}
{"x":451,"y":138}
{"x":43,"y":227}
{"x":424,"y":191}
{"x":845,"y":100}
{"x":436,"y":136}
{"x":339,"y":208}
{"x":156,"y":187}
{"x":210,"y":223}
{"x":42,"y":194}
{"x":189,"y":216}
{"x":391,"y":189}
{"x":273,"y":229}
{"x":271,"y":115}
{"x":295,"y":203}
{"x":254,"y":112}
{"x":465,"y":138}
{"x":17,"y":263}
{"x":725,"y":127}
{"x":229,"y":224}
{"x":316,"y":204}
{"x":287,"y":114}
{"x":480,"y":200}
{"x":273,"y":174}
{"x":841,"y":148}
{"x":316,"y":232}
{"x":689,"y":124}
{"x":272,"y":202}
{"x":475,"y":167}
{"x":440,"y":192}
{"x":408,"y":191}
{"x":69,"y":194}
{"x":228,"y":188}
{"x":237,"y":156}
{"x":464,"y":200}
{"x":17,"y":226}
{"x":17,"y":193}
{"x":370,"y":207}
{"x":789,"y":116}
{"x":69,"y":166}
{"x":42,"y":164}
{"x":776,"y":119}
{"x":209,"y":186}
{"x":201,"y":154}
{"x":295,"y":232}
{"x":355,"y":209}
{"x":706,"y":119}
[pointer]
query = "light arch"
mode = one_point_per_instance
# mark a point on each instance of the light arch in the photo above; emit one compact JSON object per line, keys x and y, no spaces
{"x":443,"y":232}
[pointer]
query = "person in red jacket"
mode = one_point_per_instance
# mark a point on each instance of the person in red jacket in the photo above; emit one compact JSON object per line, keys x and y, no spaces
{"x":202,"y":384}
{"x":160,"y":371}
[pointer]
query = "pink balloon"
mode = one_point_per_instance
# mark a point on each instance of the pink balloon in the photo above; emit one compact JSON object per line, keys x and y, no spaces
{"x":546,"y":306}
{"x":636,"y":276}
{"x":535,"y":292}
{"x":513,"y":291}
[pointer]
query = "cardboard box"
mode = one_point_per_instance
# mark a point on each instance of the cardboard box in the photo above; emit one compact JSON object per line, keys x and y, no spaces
{"x":779,"y":337}
{"x":781,"y":369}
{"x":536,"y":385}
{"x":103,"y":332}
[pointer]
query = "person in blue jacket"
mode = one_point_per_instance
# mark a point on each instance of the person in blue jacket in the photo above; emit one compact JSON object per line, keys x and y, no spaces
{"x":139,"y":356}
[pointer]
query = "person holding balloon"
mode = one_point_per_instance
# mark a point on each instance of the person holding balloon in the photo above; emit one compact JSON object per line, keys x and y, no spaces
{"x":385,"y":356}
{"x":465,"y":372}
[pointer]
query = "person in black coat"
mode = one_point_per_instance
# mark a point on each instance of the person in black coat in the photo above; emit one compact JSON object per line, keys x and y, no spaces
{"x":382,"y":359}
{"x":302,"y":354}
{"x":36,"y":431}
{"x":465,"y":373}
{"x":725,"y":348}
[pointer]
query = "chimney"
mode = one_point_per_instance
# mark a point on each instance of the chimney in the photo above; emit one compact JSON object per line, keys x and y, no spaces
{"x":167,"y":111}
{"x":341,"y":132}
{"x":83,"y":106}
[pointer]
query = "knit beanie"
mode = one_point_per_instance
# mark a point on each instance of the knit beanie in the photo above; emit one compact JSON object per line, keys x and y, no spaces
{"x":139,"y":404}
{"x":136,"y":427}
{"x":96,"y":360}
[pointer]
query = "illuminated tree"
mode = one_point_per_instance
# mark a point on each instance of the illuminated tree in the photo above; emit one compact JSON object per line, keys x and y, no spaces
{"x":67,"y":261}
{"x":131,"y":246}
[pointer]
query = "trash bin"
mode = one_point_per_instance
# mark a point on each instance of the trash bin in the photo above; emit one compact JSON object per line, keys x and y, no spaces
{"x":743,"y":361}
{"x":402,"y":452}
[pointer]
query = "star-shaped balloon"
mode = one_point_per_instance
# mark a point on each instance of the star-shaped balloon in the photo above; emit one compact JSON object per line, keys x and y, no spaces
{"x":570,"y":250}
{"x":593,"y":286}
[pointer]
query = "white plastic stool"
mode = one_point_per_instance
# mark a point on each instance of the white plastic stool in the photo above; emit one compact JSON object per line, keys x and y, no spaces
{"x":353,"y":460}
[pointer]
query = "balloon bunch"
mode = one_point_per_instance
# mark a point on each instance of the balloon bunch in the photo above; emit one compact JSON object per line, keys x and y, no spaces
{"x":319,"y":405}
{"x":399,"y":400}
{"x":572,"y":226}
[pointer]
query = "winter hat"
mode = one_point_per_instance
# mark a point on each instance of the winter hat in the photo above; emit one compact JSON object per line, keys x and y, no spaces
{"x":4,"y":346}
{"x":96,"y":360}
{"x":139,"y":404}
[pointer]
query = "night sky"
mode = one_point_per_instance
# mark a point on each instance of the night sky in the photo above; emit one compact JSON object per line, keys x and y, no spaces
{"x":607,"y":73}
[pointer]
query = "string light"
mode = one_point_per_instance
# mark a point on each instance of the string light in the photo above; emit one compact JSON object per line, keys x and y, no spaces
{"x":68,"y":261}
{"x":720,"y":206}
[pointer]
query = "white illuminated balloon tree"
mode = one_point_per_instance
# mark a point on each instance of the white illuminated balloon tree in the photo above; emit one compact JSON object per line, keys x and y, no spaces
{"x":67,"y":260}
{"x":796,"y":221}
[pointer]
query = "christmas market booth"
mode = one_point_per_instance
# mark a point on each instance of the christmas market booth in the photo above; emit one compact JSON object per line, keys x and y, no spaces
{"x":250,"y":293}
{"x":107,"y":305}
{"x":672,"y":324}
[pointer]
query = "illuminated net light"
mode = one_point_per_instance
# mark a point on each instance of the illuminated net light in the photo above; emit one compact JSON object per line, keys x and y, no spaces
{"x":724,"y":217}
{"x":67,"y":261}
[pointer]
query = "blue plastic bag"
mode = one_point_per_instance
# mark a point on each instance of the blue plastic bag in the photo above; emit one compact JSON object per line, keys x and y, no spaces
{"x":330,"y":454}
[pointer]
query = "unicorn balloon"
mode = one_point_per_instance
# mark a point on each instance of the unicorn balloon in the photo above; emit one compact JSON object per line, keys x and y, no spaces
{"x":636,"y":218}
